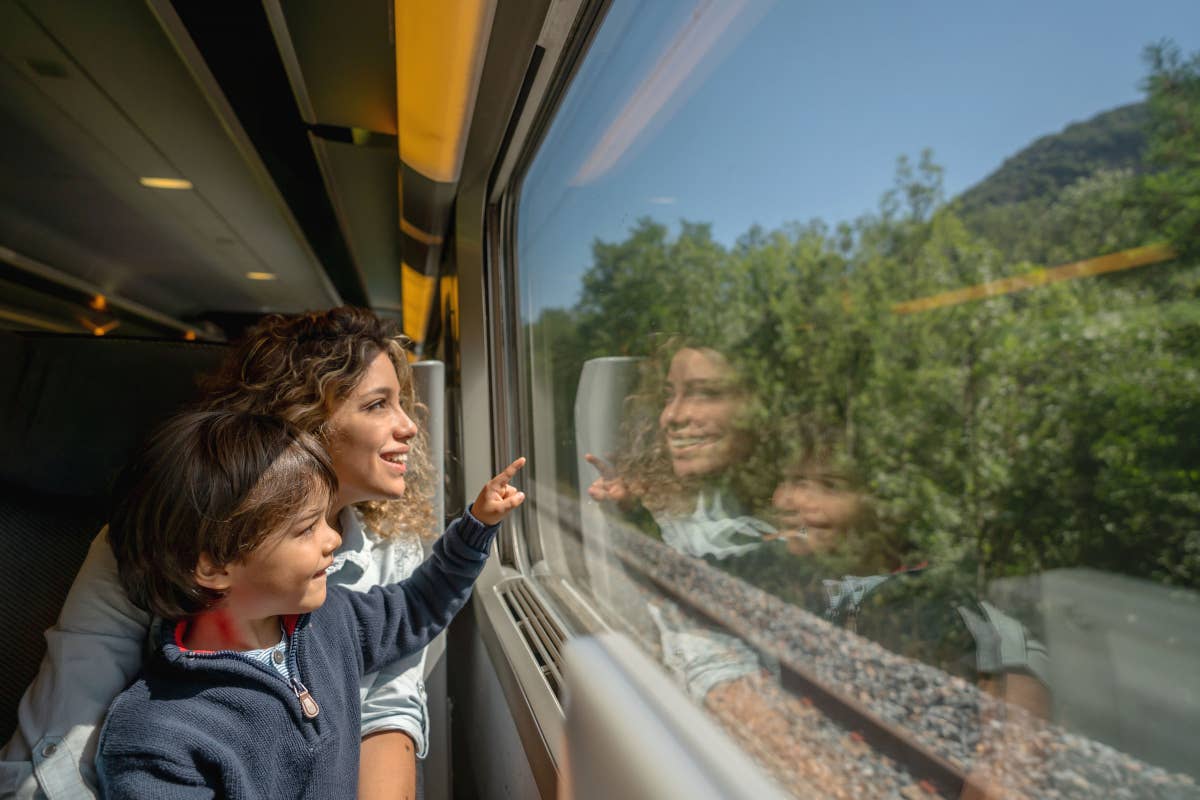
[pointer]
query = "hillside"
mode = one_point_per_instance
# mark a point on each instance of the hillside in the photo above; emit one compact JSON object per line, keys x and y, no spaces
{"x":1112,"y":140}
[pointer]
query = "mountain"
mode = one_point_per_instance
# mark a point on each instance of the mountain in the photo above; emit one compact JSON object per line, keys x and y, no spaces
{"x":1112,"y":140}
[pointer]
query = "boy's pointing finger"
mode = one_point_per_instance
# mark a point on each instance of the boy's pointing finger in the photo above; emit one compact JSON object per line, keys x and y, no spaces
{"x":511,"y":470}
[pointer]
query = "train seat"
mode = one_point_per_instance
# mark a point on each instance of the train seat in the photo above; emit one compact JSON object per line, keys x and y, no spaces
{"x":72,"y":409}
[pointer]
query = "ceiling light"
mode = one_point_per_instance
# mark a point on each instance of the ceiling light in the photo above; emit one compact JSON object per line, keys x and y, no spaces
{"x":99,"y":330}
{"x":165,"y":183}
{"x":261,"y":276}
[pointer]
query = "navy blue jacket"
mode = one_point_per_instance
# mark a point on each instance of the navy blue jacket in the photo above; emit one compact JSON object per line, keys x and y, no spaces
{"x":201,"y":724}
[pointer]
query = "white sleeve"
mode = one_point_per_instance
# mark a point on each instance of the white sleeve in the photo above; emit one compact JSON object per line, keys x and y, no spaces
{"x":394,"y":699}
{"x":92,"y":653}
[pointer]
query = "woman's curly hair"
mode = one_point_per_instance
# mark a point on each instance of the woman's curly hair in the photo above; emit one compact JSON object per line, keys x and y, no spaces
{"x":301,"y":367}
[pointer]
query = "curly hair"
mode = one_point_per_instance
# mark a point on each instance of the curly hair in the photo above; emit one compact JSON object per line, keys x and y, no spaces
{"x":301,"y":367}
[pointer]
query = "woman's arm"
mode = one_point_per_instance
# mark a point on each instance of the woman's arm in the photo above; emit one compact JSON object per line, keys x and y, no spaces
{"x":395,"y":720}
{"x":387,"y":768}
{"x":92,"y":653}
{"x":396,"y":621}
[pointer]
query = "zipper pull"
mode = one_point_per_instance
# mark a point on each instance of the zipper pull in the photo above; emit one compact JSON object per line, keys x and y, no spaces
{"x":308,"y":703}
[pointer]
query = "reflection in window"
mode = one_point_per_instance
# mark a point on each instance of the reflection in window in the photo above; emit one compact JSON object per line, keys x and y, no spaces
{"x":904,"y":493}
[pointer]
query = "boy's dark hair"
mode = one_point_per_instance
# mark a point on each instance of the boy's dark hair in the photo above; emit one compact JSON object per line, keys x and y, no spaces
{"x":211,"y":482}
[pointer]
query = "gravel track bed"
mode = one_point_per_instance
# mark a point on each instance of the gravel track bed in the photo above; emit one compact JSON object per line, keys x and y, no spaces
{"x":1002,"y":748}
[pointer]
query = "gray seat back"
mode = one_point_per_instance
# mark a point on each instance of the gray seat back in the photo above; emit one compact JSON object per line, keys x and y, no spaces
{"x":72,"y":410}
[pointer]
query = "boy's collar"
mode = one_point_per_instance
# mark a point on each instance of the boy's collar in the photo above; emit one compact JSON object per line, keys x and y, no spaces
{"x":180,"y":628}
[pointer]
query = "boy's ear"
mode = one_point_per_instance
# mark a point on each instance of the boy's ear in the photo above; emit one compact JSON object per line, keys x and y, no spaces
{"x":210,"y":575}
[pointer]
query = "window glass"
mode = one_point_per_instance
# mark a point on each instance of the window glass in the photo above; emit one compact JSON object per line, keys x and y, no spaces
{"x":862,"y":359}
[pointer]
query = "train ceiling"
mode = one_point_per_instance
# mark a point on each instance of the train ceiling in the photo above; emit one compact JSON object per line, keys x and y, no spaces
{"x":180,"y":166}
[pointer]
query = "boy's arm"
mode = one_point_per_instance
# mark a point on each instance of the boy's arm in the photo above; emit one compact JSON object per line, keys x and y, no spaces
{"x":92,"y":653}
{"x":394,"y":621}
{"x":402,"y":618}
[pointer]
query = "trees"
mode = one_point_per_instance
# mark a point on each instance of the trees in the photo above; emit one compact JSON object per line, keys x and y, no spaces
{"x":1055,"y":427}
{"x":1172,"y":191}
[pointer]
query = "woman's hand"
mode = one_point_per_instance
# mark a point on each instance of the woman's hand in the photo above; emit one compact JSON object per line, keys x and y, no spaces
{"x":498,"y":496}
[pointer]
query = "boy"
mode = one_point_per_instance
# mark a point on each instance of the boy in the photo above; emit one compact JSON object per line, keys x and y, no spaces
{"x":252,"y":687}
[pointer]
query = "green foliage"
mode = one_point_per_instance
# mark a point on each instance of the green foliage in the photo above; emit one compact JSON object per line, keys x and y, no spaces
{"x":1050,"y":428}
{"x":1172,"y":193}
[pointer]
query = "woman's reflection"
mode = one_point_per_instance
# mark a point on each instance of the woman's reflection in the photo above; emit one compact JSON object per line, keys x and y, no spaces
{"x":684,"y":469}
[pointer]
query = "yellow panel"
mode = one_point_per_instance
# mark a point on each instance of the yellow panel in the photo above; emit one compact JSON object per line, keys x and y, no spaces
{"x":417,"y":292}
{"x":439,"y":53}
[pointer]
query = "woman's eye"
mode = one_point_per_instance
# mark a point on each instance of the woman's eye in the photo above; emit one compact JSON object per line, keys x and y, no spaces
{"x":376,"y":405}
{"x":706,"y":393}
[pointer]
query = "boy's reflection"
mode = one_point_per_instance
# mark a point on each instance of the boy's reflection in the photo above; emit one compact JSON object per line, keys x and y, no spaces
{"x":846,"y":566}
{"x":813,"y":509}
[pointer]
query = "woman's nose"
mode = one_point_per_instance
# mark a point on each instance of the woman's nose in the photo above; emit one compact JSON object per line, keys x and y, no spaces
{"x":673,"y":413}
{"x":404,"y":427}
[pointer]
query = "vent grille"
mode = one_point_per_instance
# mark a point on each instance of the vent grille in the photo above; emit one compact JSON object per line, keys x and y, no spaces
{"x":542,"y":634}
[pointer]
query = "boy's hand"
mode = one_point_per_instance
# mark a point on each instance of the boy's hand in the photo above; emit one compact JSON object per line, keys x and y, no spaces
{"x":498,"y":497}
{"x":609,"y":486}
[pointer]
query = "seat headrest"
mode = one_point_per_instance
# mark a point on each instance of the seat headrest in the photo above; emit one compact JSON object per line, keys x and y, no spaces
{"x":73,"y":408}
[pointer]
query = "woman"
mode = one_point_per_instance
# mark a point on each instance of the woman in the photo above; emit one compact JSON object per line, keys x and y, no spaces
{"x":343,"y":376}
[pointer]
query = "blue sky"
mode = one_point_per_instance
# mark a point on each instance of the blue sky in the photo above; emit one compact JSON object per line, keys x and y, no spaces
{"x":743,"y":112}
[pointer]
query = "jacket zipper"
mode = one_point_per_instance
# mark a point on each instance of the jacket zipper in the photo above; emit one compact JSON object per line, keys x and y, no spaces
{"x":308,"y":703}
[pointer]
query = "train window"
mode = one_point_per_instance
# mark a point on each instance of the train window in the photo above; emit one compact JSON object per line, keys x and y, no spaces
{"x":860,"y":350}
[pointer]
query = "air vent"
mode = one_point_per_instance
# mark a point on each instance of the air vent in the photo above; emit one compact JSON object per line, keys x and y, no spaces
{"x":542,"y":634}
